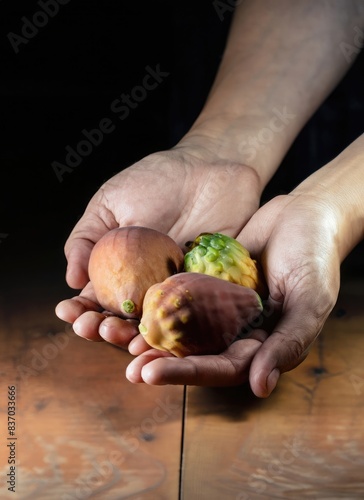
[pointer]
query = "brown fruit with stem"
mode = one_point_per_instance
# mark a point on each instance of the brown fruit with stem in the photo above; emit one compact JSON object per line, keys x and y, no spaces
{"x":126,"y":262}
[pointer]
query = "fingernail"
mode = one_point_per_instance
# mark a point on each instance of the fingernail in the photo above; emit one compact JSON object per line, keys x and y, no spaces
{"x":76,"y":328}
{"x":103,"y":329}
{"x":272,"y":380}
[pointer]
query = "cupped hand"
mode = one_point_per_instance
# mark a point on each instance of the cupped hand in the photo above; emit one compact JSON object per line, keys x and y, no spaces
{"x":181,"y":192}
{"x":294,"y":236}
{"x":156,"y":367}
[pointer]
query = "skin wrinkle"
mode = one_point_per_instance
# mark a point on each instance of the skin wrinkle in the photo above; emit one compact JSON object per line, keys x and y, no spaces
{"x":221,"y":162}
{"x":319,"y":309}
{"x":294,"y":347}
{"x":133,"y":205}
{"x":237,"y":369}
{"x":239,"y":373}
{"x":94,"y":219}
{"x":106,"y":216}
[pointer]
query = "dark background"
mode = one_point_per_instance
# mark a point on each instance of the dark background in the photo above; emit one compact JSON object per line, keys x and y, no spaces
{"x":64,"y":80}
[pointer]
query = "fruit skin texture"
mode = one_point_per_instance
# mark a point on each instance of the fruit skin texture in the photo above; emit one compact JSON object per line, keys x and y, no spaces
{"x":126,"y":261}
{"x":219,"y":255}
{"x":193,"y":314}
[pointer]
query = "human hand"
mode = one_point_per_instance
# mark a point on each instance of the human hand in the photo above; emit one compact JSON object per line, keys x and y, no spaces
{"x":181,"y":192}
{"x":294,"y":236}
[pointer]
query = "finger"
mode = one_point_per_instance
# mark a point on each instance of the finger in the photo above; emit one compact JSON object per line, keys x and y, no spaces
{"x":87,"y":325}
{"x":285,"y":349}
{"x":78,"y":256}
{"x":257,"y":334}
{"x":255,"y":233}
{"x":138,"y":345}
{"x":70,"y":309}
{"x":134,"y":369}
{"x":229,"y":368}
{"x":118,"y":331}
{"x":90,"y":228}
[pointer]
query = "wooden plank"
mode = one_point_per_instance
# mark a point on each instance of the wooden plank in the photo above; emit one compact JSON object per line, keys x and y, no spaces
{"x":305,"y":441}
{"x":82,"y":429}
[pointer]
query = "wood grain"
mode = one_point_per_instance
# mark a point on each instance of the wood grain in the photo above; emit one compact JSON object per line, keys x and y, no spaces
{"x":83,"y":430}
{"x":305,"y":441}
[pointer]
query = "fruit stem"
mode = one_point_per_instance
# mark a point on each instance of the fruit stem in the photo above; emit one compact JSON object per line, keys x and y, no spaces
{"x":142,"y":329}
{"x":128,"y":306}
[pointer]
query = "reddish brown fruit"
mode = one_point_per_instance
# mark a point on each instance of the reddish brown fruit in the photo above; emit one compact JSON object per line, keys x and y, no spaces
{"x":126,"y":261}
{"x":193,"y":313}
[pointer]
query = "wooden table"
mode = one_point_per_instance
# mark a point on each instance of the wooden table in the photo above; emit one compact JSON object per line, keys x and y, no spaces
{"x":83,"y":431}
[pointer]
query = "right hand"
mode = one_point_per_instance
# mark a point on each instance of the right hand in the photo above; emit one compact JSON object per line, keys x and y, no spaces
{"x":181,"y":192}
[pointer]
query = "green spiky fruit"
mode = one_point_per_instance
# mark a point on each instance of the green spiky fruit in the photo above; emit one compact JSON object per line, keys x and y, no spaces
{"x":218,"y":255}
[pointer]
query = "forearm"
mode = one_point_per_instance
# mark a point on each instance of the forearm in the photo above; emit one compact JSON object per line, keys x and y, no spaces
{"x":281,"y":61}
{"x":338,"y":188}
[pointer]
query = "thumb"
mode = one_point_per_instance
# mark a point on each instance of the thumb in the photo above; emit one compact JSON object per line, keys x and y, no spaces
{"x":285,"y":348}
{"x":255,"y":234}
{"x":77,"y":252}
{"x":89,"y":229}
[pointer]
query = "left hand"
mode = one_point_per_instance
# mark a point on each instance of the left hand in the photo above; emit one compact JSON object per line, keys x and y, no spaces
{"x":295,"y":238}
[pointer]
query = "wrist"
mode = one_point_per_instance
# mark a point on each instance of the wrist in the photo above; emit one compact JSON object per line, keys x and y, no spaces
{"x":339,"y":188}
{"x":259,"y":142}
{"x":201,"y":151}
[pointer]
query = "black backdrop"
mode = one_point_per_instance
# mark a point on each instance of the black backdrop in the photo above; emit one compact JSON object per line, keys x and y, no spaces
{"x":64,"y":78}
